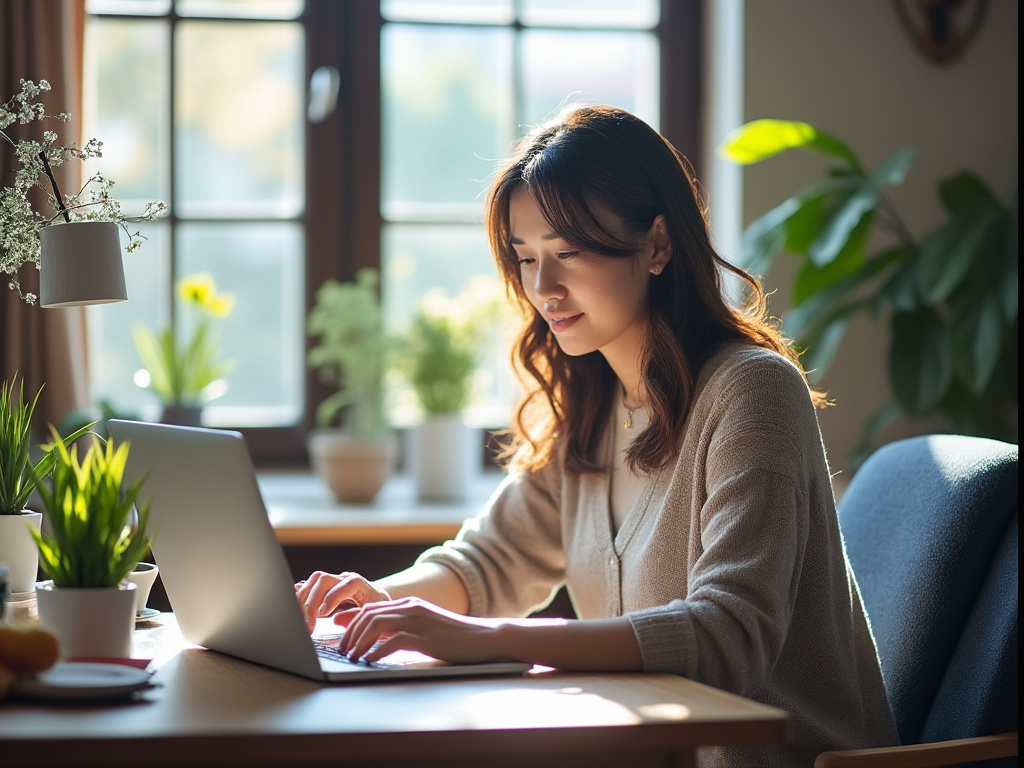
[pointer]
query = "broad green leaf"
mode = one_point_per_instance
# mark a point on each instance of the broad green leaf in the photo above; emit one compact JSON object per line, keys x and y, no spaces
{"x":920,"y":370}
{"x":765,"y":236}
{"x":836,"y":233}
{"x":976,"y":337}
{"x":803,"y":320}
{"x":812,"y":279}
{"x":901,"y":290}
{"x":761,"y":139}
{"x":816,"y":202}
{"x":964,"y":189}
{"x":894,"y":168}
{"x":949,"y":252}
{"x":821,"y":350}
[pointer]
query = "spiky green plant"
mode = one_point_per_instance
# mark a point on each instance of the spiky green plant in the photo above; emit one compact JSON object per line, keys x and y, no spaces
{"x":94,"y":541}
{"x":17,"y":472}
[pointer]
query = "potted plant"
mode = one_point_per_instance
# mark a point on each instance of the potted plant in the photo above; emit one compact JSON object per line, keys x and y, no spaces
{"x":18,"y":475}
{"x":79,"y":259}
{"x":950,"y":297}
{"x":357,"y":457}
{"x":97,"y":535}
{"x":439,"y":355}
{"x":186,"y":376}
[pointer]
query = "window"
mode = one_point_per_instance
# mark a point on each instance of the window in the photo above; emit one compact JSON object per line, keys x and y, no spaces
{"x":203,"y":103}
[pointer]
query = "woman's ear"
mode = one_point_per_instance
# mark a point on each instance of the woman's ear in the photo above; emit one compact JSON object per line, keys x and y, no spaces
{"x":661,"y":250}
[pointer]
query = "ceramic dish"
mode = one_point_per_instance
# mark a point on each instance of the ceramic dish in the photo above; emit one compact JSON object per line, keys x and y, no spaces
{"x":81,"y":681}
{"x":146,"y":614}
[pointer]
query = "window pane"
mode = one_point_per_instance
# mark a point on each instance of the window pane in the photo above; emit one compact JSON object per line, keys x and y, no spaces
{"x":112,"y":355}
{"x":418,"y":258}
{"x":635,"y":14}
{"x":616,"y":68}
{"x":465,"y":11}
{"x":239,"y":112}
{"x":126,"y":106}
{"x":447,"y":116}
{"x":242,"y":9}
{"x":262,"y":265}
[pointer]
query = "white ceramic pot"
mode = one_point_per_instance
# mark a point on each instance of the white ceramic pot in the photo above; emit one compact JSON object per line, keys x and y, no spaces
{"x":445,"y":457}
{"x":89,"y":622}
{"x":80,"y":263}
{"x":18,"y":549}
{"x":354,"y":470}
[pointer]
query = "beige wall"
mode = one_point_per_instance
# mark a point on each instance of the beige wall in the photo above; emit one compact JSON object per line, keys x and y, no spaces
{"x":849,"y":68}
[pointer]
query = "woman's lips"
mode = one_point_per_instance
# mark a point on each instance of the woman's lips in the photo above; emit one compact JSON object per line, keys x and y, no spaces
{"x":563,"y":323}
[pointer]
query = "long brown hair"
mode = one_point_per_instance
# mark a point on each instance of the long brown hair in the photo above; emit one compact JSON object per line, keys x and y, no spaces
{"x":598,"y":157}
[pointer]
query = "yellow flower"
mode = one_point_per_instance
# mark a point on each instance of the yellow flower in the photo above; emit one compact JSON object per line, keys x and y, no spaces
{"x":221,"y":304}
{"x":197,"y":290}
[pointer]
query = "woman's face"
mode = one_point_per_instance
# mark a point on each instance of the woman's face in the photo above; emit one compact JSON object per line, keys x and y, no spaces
{"x":591,"y":302}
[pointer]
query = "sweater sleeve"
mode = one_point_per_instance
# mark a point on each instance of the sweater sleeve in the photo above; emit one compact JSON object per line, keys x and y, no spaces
{"x":510,"y":556}
{"x":760,"y":446}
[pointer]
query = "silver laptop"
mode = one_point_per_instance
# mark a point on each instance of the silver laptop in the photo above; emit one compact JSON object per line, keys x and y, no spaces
{"x":223,"y":568}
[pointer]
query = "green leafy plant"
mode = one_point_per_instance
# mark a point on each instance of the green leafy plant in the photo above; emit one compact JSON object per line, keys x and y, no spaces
{"x":441,"y":349}
{"x":188,"y":374}
{"x":352,"y":353}
{"x":19,"y":222}
{"x":18,"y":472}
{"x":950,"y":298}
{"x":95,"y":542}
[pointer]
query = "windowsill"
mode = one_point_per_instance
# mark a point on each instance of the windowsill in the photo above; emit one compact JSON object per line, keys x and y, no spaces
{"x":304,"y":512}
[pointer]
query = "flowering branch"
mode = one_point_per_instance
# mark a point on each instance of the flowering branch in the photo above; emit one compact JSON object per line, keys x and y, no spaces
{"x":19,"y":223}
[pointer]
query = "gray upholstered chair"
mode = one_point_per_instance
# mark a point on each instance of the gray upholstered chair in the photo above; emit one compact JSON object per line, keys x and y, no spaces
{"x":930,"y":525}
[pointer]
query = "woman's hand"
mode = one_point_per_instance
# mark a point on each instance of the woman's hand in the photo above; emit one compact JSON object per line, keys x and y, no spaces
{"x":325,"y":593}
{"x":377,"y":629}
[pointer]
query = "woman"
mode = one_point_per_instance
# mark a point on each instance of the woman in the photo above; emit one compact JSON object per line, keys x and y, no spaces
{"x":667,"y":466}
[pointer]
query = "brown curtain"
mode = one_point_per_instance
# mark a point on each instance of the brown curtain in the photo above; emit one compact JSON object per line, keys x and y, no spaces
{"x":43,"y":40}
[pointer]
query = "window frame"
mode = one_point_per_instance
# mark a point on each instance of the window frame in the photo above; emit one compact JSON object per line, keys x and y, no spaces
{"x":342,"y":217}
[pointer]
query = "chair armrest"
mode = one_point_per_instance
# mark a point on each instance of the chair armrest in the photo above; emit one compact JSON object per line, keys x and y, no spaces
{"x":923,"y":755}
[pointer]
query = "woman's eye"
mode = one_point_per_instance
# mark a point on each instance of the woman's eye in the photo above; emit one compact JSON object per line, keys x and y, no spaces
{"x":524,"y":261}
{"x":563,"y":255}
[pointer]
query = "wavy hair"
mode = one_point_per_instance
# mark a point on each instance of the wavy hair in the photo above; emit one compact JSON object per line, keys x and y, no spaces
{"x":601,"y":158}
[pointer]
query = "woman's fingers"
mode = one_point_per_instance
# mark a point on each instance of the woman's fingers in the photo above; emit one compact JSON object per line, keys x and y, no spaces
{"x":323,"y":593}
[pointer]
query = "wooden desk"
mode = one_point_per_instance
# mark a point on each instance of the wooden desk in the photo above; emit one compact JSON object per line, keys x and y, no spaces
{"x":304,"y":513}
{"x":215,"y":710}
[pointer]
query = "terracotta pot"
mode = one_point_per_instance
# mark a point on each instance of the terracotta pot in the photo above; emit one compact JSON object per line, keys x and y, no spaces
{"x":354,"y":470}
{"x":89,"y":622}
{"x":18,"y":549}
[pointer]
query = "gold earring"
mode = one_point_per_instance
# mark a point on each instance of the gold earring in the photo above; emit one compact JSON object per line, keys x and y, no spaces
{"x":656,"y":271}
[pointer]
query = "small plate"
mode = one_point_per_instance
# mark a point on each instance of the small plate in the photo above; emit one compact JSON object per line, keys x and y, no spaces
{"x":81,"y":681}
{"x":146,"y":614}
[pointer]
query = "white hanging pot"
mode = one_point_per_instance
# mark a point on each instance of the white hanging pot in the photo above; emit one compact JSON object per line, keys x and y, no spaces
{"x":444,"y":458}
{"x":18,"y":549}
{"x":89,"y":622}
{"x":80,"y":263}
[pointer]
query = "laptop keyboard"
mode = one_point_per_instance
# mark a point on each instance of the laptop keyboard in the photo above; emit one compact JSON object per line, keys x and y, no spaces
{"x":327,"y":648}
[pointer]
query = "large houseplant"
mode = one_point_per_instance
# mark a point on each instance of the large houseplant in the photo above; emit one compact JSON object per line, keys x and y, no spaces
{"x":950,"y":297}
{"x":89,"y":210}
{"x":97,"y":535}
{"x":187,"y":375}
{"x":439,"y":355}
{"x":18,"y":473}
{"x":354,"y":450}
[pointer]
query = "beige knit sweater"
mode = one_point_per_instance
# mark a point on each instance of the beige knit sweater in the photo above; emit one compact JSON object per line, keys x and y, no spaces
{"x":730,"y":567}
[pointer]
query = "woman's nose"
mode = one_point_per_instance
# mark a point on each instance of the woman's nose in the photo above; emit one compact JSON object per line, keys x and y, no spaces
{"x":547,"y":282}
